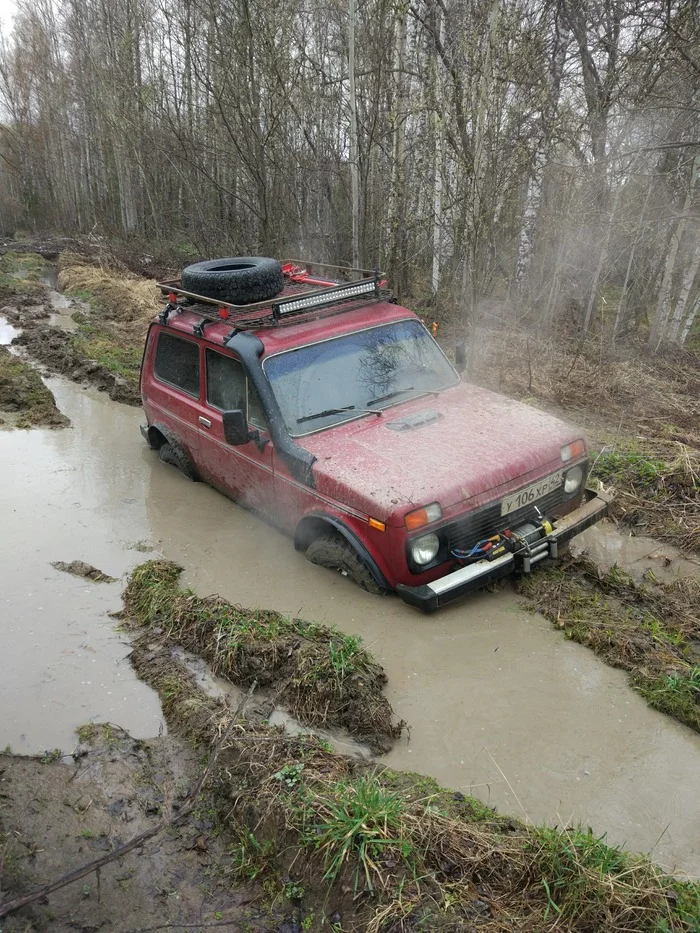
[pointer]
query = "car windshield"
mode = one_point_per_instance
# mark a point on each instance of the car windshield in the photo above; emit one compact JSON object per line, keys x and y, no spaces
{"x":325,"y":383}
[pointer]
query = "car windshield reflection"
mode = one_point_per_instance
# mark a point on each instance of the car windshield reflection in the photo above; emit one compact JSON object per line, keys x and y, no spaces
{"x":356,"y":375}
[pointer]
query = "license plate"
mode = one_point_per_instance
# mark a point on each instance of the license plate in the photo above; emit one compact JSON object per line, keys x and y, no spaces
{"x":531,"y":494}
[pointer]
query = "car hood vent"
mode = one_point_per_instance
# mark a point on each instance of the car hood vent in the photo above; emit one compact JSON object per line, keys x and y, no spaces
{"x":416,"y":419}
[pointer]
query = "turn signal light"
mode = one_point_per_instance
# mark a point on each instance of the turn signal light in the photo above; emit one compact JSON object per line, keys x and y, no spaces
{"x":573,"y":450}
{"x":419,"y":517}
{"x":375,"y":523}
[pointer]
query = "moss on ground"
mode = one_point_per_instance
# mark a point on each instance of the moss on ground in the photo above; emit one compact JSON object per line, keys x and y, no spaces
{"x":320,"y":675}
{"x":370,"y":849}
{"x":24,"y":396}
{"x":650,"y":629}
{"x":101,"y":344}
{"x":31,"y":266}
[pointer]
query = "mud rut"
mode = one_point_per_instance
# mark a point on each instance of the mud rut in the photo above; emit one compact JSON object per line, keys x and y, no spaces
{"x":499,"y":704}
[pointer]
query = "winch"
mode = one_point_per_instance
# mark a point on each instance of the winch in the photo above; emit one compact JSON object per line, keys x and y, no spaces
{"x":529,"y":543}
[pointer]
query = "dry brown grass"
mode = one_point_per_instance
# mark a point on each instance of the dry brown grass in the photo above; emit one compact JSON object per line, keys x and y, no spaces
{"x":635,"y":408}
{"x":126,"y":300}
{"x":629,"y":393}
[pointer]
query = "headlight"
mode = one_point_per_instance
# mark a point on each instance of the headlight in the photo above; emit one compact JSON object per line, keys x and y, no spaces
{"x":573,"y":480}
{"x":425,"y":549}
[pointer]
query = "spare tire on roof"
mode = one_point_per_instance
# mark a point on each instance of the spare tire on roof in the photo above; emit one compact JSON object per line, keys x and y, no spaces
{"x":240,"y":280}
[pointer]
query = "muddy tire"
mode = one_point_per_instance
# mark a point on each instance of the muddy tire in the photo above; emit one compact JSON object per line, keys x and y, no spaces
{"x":335,"y":553}
{"x":178,"y":458}
{"x":240,"y":280}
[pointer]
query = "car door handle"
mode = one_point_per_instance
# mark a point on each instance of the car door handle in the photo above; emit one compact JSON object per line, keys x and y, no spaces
{"x":205,"y":421}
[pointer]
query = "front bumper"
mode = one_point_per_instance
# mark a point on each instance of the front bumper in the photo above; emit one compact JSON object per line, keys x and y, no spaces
{"x":460,"y":582}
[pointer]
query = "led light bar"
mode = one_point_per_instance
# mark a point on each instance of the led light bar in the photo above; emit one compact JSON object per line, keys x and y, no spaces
{"x":329,"y":296}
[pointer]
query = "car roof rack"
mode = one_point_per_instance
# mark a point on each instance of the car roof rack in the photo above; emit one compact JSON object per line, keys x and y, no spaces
{"x":305,"y":292}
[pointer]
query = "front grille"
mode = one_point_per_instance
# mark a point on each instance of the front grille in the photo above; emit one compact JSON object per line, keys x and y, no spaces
{"x":465,"y":532}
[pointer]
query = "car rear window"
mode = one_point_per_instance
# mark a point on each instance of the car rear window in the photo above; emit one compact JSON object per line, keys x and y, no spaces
{"x":177,"y":362}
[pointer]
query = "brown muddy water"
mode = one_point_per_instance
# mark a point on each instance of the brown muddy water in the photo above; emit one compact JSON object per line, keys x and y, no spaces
{"x":499,"y":703}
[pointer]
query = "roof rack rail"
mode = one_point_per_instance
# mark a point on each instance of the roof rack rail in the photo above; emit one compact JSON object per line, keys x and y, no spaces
{"x":304,"y":292}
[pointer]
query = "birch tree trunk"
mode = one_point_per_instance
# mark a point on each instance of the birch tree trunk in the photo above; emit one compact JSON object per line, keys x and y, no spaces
{"x":354,"y":147}
{"x":663,"y":303}
{"x":676,"y":321}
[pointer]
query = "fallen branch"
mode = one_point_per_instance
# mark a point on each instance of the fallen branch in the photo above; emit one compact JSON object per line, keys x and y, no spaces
{"x":10,"y":906}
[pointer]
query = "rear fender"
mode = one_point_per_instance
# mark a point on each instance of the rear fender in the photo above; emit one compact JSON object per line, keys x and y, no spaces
{"x":319,"y":523}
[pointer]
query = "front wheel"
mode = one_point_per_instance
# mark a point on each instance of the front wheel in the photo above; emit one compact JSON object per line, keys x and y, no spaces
{"x":169,"y":453}
{"x":335,"y":553}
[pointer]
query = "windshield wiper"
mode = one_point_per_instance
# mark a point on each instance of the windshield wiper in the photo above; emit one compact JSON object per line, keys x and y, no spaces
{"x":338,"y":411}
{"x":385,"y":398}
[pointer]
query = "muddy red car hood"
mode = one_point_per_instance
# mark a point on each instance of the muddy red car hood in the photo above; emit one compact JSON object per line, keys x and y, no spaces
{"x":480,"y":441}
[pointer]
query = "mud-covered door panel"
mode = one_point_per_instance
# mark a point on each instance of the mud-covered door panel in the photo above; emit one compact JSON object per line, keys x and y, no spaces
{"x":243,"y":472}
{"x":174,"y":392}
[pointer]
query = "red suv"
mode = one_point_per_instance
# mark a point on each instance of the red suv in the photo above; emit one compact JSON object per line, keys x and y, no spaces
{"x":333,"y":411}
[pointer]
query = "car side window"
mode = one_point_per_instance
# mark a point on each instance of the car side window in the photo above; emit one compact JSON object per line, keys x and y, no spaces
{"x":228,"y":387}
{"x":177,"y":362}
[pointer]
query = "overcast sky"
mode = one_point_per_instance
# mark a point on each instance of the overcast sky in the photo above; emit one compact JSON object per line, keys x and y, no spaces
{"x":7,"y":9}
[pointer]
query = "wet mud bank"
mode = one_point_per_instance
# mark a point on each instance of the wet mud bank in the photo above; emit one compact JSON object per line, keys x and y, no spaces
{"x":322,"y":676}
{"x":649,"y":628}
{"x":25,"y":401}
{"x":93,"y":334}
{"x":60,"y":352}
{"x":61,"y":814}
{"x":363,"y":848}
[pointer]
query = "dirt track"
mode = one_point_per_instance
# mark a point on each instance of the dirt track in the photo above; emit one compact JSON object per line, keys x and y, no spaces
{"x":498,"y":703}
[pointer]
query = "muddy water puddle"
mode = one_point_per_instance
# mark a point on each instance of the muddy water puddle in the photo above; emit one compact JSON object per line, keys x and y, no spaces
{"x":637,"y":555}
{"x":499,"y":704}
{"x":262,"y":706}
{"x":7,"y":332}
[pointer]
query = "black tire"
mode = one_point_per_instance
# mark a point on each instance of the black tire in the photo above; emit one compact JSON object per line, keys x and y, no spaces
{"x":178,"y":458}
{"x":240,"y":280}
{"x":335,"y":553}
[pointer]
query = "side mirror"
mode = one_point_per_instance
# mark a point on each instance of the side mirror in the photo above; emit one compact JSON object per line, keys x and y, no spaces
{"x":235,"y":427}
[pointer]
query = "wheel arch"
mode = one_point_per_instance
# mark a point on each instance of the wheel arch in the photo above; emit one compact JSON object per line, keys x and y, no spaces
{"x":159,"y":434}
{"x":320,"y":523}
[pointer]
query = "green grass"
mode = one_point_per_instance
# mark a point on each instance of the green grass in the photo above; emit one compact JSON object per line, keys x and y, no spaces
{"x":324,"y":676}
{"x":637,"y":469}
{"x":362,"y":822}
{"x":677,"y":694}
{"x":100,"y":344}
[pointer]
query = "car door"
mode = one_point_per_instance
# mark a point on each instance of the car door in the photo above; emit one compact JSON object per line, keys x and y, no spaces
{"x":174,"y":393}
{"x":243,"y":472}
